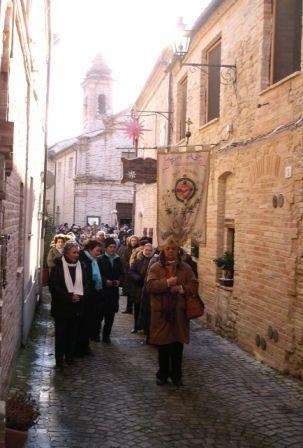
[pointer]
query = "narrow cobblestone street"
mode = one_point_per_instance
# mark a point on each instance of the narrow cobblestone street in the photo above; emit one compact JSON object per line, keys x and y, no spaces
{"x":111,"y":400}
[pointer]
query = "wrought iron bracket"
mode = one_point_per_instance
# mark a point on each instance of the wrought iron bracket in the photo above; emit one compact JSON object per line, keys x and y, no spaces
{"x":228,"y":73}
{"x":164,"y":114}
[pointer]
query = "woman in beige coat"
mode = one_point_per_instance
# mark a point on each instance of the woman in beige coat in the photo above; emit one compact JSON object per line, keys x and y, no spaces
{"x":169,"y":282}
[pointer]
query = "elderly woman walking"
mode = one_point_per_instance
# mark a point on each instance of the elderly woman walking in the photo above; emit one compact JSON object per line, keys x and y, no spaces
{"x":128,"y":286}
{"x":112,"y":277}
{"x":169,"y":282}
{"x":92,"y":312}
{"x":66,"y":284}
{"x":138,"y":272}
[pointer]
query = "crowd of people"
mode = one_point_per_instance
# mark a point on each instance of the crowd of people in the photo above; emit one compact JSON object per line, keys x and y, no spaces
{"x":91,"y":267}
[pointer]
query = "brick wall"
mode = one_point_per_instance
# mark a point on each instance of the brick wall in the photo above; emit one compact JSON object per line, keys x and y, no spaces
{"x":21,"y":206}
{"x":256,"y":137}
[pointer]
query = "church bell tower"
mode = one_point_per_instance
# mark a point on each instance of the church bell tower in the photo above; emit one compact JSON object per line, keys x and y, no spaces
{"x":97,"y":95}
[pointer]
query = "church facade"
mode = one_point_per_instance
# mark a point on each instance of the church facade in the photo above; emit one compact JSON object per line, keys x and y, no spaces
{"x":86,"y":183}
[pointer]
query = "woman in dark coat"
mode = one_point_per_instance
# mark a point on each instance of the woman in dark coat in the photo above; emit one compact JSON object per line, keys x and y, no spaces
{"x":169,"y":282}
{"x":91,"y":316}
{"x":128,"y":286}
{"x":67,"y":284}
{"x":112,"y":276}
{"x":137,"y":272}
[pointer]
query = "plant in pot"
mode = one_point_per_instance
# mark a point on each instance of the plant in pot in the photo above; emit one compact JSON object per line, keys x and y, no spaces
{"x":226,"y":263}
{"x":21,"y":414}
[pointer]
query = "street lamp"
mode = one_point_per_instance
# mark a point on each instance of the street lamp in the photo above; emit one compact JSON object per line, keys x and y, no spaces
{"x":228,"y":73}
{"x":182,"y":40}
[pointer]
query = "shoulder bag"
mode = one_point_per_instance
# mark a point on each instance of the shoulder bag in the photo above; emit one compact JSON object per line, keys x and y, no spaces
{"x":194,"y":306}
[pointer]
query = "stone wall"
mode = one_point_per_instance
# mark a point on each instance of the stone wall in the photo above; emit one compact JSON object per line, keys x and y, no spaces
{"x":64,"y":187}
{"x":146,"y":211}
{"x":99,"y":198}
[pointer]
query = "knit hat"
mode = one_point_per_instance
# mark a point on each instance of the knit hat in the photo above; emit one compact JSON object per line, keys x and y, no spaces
{"x":109,"y":241}
{"x":143,"y":241}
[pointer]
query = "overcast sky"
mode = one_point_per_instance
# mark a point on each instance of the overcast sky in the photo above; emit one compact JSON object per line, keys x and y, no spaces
{"x":130,"y":34}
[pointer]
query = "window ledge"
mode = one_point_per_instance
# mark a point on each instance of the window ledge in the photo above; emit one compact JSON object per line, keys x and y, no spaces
{"x":209,"y":123}
{"x":181,"y":143}
{"x":278,"y":83}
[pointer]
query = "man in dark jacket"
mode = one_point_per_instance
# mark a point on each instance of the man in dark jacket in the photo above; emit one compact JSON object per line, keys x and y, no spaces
{"x":112,"y":277}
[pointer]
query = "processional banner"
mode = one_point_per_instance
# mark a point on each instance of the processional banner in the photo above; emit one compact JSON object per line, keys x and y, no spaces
{"x":182,"y":193}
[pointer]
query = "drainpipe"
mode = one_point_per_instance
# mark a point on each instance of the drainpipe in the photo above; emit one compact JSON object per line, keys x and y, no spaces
{"x":75,"y":182}
{"x":54,"y":196}
{"x":170,"y":107}
{"x":26,"y":234}
{"x":13,"y":29}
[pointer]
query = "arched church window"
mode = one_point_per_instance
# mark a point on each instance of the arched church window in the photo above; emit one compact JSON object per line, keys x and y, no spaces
{"x":101,"y":104}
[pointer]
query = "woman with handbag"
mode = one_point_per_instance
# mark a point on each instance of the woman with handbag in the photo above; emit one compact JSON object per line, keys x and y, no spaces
{"x":169,"y":282}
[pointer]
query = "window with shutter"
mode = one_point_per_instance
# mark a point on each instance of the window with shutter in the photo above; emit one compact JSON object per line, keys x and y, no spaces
{"x":213,"y":85}
{"x":182,"y":108}
{"x":287,"y":33}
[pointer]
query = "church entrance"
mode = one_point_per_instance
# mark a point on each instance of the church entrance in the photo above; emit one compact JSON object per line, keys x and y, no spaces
{"x":124,"y":213}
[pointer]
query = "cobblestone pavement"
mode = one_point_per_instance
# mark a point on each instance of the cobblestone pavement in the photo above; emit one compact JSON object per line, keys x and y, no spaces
{"x":111,"y":400}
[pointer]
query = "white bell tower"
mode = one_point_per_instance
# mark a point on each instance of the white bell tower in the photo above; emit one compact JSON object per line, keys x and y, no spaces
{"x":97,"y":95}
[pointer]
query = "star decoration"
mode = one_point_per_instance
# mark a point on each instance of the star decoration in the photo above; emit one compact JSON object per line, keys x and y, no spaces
{"x":133,"y":128}
{"x":131,"y":174}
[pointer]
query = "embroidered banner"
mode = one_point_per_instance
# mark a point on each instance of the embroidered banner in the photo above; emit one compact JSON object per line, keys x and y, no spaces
{"x":182,"y":194}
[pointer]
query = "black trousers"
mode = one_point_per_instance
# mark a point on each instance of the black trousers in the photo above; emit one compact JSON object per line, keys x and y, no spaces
{"x":82,"y":345}
{"x":131,"y":296}
{"x":170,"y":361}
{"x":66,"y":332}
{"x":94,"y":316}
{"x":136,"y":315}
{"x":108,"y":317}
{"x":129,"y":304}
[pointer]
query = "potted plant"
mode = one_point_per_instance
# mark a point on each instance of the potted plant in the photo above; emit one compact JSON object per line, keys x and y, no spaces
{"x":226,"y":263}
{"x":21,"y":414}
